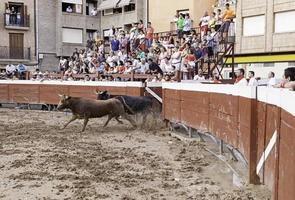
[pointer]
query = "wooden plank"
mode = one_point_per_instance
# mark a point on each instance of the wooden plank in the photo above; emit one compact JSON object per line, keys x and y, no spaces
{"x":24,"y":93}
{"x":49,"y":93}
{"x":4,"y":93}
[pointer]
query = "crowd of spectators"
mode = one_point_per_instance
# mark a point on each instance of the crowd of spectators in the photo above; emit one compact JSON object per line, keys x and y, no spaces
{"x":141,"y":51}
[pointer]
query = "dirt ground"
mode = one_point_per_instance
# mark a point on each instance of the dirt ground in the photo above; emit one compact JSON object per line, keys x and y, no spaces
{"x":40,"y":161}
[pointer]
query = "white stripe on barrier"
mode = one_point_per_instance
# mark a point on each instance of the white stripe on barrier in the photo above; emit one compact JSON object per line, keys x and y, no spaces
{"x":154,"y":94}
{"x":267,"y":151}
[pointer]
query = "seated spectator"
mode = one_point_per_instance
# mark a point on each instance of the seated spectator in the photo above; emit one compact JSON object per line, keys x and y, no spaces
{"x":166,"y":78}
{"x":10,"y":70}
{"x":252,"y":79}
{"x":241,"y":80}
{"x":289,"y":78}
{"x":199,"y":76}
{"x":271,"y":79}
{"x":166,"y":66}
{"x":86,"y":77}
{"x":216,"y":79}
{"x":176,"y":58}
{"x":143,"y":67}
{"x":21,"y":69}
{"x":121,"y":67}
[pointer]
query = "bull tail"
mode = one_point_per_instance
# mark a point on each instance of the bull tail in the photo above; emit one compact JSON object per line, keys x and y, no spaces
{"x":126,"y":105}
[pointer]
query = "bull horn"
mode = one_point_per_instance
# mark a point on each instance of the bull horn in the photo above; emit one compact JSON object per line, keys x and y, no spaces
{"x":96,"y":92}
{"x":61,"y":95}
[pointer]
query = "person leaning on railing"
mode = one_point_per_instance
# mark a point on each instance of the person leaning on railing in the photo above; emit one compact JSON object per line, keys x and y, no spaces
{"x":289,"y":79}
{"x":227,"y":18}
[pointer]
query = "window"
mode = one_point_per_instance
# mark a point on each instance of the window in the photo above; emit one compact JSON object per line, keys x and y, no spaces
{"x":284,"y":23}
{"x":254,"y":26}
{"x":184,"y":12}
{"x":268,"y":65}
{"x":71,"y":35}
{"x":72,"y":6}
{"x":90,"y":6}
{"x":129,"y":8}
{"x":117,"y":10}
{"x":91,"y":34}
{"x":16,"y":14}
{"x":108,"y":12}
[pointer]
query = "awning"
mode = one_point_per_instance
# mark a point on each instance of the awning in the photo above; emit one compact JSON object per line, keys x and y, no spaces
{"x":125,"y":3}
{"x":108,"y":4}
{"x":72,"y":1}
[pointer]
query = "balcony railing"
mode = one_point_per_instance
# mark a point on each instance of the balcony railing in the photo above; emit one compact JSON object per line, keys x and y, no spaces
{"x":12,"y":20}
{"x":23,"y":53}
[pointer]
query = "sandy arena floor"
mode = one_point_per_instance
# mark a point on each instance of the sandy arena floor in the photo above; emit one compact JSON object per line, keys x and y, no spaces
{"x":40,"y":161}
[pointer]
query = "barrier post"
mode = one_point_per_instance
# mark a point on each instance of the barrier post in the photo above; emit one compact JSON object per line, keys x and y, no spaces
{"x":253,"y":177}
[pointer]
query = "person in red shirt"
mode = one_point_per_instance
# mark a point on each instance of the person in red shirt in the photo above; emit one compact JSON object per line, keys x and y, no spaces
{"x":149,"y":35}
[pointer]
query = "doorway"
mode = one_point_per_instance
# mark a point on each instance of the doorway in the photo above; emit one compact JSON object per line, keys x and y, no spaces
{"x":16,"y":45}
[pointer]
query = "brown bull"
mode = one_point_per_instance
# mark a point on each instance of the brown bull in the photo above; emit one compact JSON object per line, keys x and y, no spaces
{"x":83,"y":108}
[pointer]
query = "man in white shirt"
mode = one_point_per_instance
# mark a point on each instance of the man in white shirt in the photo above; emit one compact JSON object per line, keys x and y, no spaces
{"x":93,"y":12}
{"x":241,"y":80}
{"x":69,"y":9}
{"x":252,"y":79}
{"x":271,"y":79}
{"x":142,"y":67}
{"x":199,"y":76}
{"x":10,"y":70}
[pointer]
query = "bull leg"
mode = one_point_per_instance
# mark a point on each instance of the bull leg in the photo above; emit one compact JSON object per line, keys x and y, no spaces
{"x":85,"y":123}
{"x":119,"y":121}
{"x":74,"y":117}
{"x":132,"y":122}
{"x":109,"y":118}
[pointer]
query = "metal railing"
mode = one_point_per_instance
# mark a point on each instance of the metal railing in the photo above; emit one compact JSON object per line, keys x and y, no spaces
{"x":16,"y":20}
{"x":15,"y":53}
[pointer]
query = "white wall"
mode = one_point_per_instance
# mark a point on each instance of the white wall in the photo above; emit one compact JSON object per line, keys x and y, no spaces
{"x":254,"y":26}
{"x":70,"y":35}
{"x":284,"y":22}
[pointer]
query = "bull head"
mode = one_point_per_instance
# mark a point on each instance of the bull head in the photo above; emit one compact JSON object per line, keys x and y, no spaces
{"x":100,"y":95}
{"x":63,"y":102}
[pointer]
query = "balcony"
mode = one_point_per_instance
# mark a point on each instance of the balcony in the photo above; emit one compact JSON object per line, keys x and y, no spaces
{"x":15,"y":53}
{"x":16,"y":22}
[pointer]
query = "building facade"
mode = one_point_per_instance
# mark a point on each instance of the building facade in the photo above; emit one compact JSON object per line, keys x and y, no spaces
{"x":121,"y":14}
{"x":17,"y":32}
{"x":265,"y":35}
{"x":161,"y":13}
{"x":64,"y":25}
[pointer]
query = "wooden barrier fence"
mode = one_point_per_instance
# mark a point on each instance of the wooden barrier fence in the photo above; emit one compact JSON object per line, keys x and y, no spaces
{"x":258,"y":122}
{"x":35,"y":92}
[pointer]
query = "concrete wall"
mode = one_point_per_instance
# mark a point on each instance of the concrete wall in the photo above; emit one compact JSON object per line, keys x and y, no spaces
{"x":29,"y":35}
{"x":161,"y":13}
{"x":270,"y":41}
{"x":51,"y":21}
{"x":121,"y":19}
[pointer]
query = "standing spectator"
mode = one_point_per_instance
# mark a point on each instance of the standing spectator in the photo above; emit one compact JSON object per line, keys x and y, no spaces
{"x":93,"y":12}
{"x":241,"y":80}
{"x":271,"y":79}
{"x":227,"y":18}
{"x":211,"y":44}
{"x":176,"y":58}
{"x":187,"y":25}
{"x":115,"y":45}
{"x":7,"y":16}
{"x":18,"y":18}
{"x":252,"y":79}
{"x":218,"y":20}
{"x":154,"y":67}
{"x":212,"y":21}
{"x":69,"y":9}
{"x":140,"y":25}
{"x":149,"y":35}
{"x":21,"y":69}
{"x":204,"y":22}
{"x":12,"y":16}
{"x":180,"y":25}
